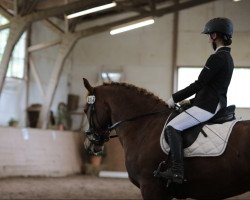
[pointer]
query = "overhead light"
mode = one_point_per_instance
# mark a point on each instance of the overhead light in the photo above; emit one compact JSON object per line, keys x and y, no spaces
{"x":132,"y":25}
{"x":92,"y":10}
{"x":236,"y":0}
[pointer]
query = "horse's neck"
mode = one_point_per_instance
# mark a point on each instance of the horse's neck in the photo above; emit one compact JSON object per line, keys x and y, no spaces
{"x":126,"y":105}
{"x":133,"y":134}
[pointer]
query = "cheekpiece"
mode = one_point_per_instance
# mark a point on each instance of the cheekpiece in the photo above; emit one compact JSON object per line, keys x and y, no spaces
{"x":91,"y":99}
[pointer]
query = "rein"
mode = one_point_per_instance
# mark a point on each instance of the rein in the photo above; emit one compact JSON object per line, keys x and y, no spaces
{"x":115,"y":125}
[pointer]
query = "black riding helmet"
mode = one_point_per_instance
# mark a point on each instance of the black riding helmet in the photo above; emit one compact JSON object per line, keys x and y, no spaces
{"x":219,"y":25}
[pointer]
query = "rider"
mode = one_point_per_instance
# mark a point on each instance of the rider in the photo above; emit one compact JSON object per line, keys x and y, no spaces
{"x":211,"y":93}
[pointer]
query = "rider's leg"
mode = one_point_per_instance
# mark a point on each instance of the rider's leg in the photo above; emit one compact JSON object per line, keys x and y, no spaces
{"x":172,"y":133}
{"x":176,"y":172}
{"x":190,"y":118}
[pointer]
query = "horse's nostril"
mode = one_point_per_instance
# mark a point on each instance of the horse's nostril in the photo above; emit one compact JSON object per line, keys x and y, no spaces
{"x":98,"y":149}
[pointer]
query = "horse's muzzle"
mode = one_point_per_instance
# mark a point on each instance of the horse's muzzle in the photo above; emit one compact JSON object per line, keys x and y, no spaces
{"x":92,"y":148}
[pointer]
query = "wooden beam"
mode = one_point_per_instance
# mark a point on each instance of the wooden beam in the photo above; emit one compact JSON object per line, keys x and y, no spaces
{"x":36,"y":76}
{"x":42,"y":5}
{"x":2,"y":27}
{"x":5,"y":13}
{"x":44,"y":45}
{"x":17,"y":6}
{"x":17,"y":28}
{"x":156,"y":13}
{"x":181,"y":6}
{"x":152,"y":5}
{"x":7,"y":4}
{"x":68,"y":42}
{"x":69,"y":8}
{"x":30,"y":7}
{"x":53,"y":26}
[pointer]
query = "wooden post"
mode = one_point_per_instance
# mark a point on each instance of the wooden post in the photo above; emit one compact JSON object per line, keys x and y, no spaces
{"x":36,"y":76}
{"x":175,"y":48}
{"x":17,"y":27}
{"x":68,"y":42}
{"x":5,"y":26}
{"x":26,"y":76}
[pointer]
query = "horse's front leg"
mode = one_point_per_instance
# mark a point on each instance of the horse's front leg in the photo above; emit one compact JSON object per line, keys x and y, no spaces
{"x":153,"y":189}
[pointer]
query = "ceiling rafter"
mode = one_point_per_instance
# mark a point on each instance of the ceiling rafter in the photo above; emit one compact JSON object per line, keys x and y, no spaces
{"x":152,"y":5}
{"x":5,"y":12}
{"x":7,"y":4}
{"x":53,"y":26}
{"x":119,"y":9}
{"x":136,"y":7}
{"x":42,"y":9}
{"x":157,"y":13}
{"x":181,"y":6}
{"x":31,"y":6}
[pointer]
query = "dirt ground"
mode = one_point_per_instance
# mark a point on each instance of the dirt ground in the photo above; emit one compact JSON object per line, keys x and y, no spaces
{"x":73,"y":187}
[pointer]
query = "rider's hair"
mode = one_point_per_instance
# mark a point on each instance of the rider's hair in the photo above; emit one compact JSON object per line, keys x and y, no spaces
{"x":226,"y":39}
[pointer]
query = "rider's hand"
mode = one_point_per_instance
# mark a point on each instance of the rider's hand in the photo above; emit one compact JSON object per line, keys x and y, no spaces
{"x":185,"y":102}
{"x":171,"y":103}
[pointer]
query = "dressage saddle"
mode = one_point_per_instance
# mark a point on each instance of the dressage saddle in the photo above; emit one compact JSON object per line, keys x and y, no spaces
{"x":191,"y":134}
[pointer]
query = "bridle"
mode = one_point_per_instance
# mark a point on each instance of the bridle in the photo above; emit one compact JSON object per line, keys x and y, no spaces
{"x":93,"y":133}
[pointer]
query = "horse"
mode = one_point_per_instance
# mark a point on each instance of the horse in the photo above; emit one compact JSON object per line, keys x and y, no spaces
{"x":138,"y":117}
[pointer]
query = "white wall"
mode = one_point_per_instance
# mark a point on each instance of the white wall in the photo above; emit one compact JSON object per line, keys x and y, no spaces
{"x":34,"y":152}
{"x":12,"y":101}
{"x":143,"y":54}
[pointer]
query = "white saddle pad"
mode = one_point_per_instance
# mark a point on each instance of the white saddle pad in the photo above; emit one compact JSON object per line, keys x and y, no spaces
{"x":212,"y":145}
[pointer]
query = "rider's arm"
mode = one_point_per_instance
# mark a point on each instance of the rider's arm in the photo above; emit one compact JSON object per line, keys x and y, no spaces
{"x":213,"y":65}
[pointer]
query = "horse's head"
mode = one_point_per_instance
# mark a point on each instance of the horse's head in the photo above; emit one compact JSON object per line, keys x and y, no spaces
{"x":99,"y":117}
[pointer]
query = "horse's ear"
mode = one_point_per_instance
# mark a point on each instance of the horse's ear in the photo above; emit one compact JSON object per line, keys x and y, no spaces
{"x":87,"y":85}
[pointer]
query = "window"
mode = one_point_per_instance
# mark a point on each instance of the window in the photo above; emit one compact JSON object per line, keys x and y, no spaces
{"x":238,"y":91}
{"x":16,"y":64}
{"x":107,"y":76}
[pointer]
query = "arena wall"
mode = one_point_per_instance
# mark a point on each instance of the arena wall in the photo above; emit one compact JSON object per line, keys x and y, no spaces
{"x":34,"y":152}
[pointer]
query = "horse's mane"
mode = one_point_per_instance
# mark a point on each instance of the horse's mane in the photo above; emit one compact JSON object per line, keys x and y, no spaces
{"x":139,"y":90}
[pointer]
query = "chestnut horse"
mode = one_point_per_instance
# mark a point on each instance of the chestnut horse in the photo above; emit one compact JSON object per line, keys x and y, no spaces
{"x":138,"y":117}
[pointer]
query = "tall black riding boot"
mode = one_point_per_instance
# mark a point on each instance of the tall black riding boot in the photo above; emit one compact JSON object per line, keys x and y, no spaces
{"x":176,"y":172}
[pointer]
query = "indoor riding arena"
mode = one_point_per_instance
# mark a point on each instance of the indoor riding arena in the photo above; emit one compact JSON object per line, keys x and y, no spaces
{"x":90,"y":89}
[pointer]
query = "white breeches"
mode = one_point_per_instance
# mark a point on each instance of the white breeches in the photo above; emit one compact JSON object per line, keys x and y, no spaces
{"x":191,"y":117}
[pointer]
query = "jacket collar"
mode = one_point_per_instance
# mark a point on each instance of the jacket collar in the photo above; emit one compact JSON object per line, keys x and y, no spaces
{"x":223,"y":48}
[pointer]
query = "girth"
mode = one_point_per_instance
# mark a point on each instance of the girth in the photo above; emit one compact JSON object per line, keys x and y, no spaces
{"x":191,"y":134}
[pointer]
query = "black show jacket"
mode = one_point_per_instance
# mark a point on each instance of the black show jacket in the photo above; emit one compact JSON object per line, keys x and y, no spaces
{"x":212,"y":84}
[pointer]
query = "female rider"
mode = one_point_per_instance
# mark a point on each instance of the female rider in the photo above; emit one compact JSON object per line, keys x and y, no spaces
{"x":210,"y":91}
